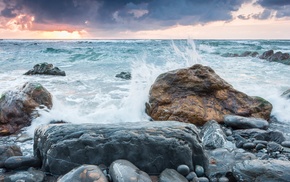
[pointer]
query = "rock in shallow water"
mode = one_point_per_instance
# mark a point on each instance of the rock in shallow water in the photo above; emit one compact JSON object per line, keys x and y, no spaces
{"x":124,"y":75}
{"x":197,"y":95}
{"x":262,"y":170}
{"x":84,"y":173}
{"x":125,"y":171}
{"x":151,"y":146}
{"x":45,"y":69}
{"x":16,"y":107}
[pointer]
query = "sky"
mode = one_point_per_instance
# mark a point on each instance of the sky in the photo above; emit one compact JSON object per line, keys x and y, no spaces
{"x":144,"y":19}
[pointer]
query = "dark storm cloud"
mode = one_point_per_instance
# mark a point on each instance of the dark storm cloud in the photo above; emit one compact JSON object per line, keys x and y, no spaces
{"x":124,"y":14}
{"x":280,"y":7}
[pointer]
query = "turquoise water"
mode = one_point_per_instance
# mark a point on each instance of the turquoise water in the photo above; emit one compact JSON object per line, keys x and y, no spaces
{"x":91,"y":93}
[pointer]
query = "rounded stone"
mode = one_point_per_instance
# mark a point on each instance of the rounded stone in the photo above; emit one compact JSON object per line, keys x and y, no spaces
{"x":249,"y":145}
{"x":183,"y":169}
{"x":286,"y":144}
{"x":191,"y":176}
{"x":84,"y":173}
{"x":260,"y":146}
{"x":199,"y":170}
{"x":261,"y":142}
{"x":274,"y":147}
{"x":230,"y":138}
{"x":125,"y":170}
{"x":203,"y":179}
{"x":228,"y":132}
{"x":22,"y":162}
{"x":223,"y":179}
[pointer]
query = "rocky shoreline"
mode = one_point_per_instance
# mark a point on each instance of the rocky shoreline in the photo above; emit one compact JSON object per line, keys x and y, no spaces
{"x":269,"y":55}
{"x":202,"y":130}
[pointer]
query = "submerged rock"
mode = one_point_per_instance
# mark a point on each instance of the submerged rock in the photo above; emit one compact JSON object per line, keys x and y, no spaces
{"x":17,"y":107}
{"x":266,"y":54}
{"x":286,"y":94}
{"x":279,"y":56}
{"x":262,"y":170}
{"x":276,"y":57}
{"x":45,"y":69}
{"x":84,"y":173}
{"x":124,"y":75}
{"x":239,"y":122}
{"x":151,"y":146}
{"x":125,"y":171}
{"x":197,"y":95}
{"x":244,"y":54}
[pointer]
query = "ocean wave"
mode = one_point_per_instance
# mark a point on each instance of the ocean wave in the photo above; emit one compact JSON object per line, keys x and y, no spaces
{"x":56,"y":51}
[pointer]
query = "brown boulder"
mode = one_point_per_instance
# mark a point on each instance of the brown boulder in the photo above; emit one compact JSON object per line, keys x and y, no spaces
{"x":197,"y":95}
{"x":16,"y":107}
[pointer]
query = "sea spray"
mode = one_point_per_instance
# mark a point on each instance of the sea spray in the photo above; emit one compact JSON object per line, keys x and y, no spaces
{"x":91,"y":93}
{"x":111,"y":108}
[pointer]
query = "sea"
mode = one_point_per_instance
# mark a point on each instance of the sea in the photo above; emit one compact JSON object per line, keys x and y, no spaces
{"x":91,"y":93}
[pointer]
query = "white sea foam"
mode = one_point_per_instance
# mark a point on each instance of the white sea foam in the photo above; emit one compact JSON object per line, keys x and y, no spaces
{"x":90,"y":93}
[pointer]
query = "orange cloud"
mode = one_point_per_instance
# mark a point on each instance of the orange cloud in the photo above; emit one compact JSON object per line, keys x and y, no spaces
{"x":20,"y":22}
{"x":24,"y":26}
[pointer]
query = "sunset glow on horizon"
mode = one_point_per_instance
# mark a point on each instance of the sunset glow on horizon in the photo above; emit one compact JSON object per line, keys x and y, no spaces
{"x":98,"y":19}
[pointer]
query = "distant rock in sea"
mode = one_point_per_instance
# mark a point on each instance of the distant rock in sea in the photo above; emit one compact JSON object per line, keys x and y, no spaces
{"x":45,"y":69}
{"x":124,"y":75}
{"x":276,"y":57}
{"x":269,"y":55}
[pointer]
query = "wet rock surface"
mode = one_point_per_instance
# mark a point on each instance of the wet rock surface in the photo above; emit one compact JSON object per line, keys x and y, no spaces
{"x":239,"y":122}
{"x":21,"y":162}
{"x":221,"y":161}
{"x":197,"y":95}
{"x":45,"y":69}
{"x":84,"y":173}
{"x":17,"y":108}
{"x":262,"y":170}
{"x":169,"y":175}
{"x":159,"y":144}
{"x":212,"y":135}
{"x":7,"y":151}
{"x":123,"y":170}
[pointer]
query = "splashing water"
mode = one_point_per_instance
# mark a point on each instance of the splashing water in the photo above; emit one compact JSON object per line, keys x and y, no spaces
{"x":130,"y":107}
{"x":90,"y":93}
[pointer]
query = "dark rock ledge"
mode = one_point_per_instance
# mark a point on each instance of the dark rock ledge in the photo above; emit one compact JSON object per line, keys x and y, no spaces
{"x":151,"y":146}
